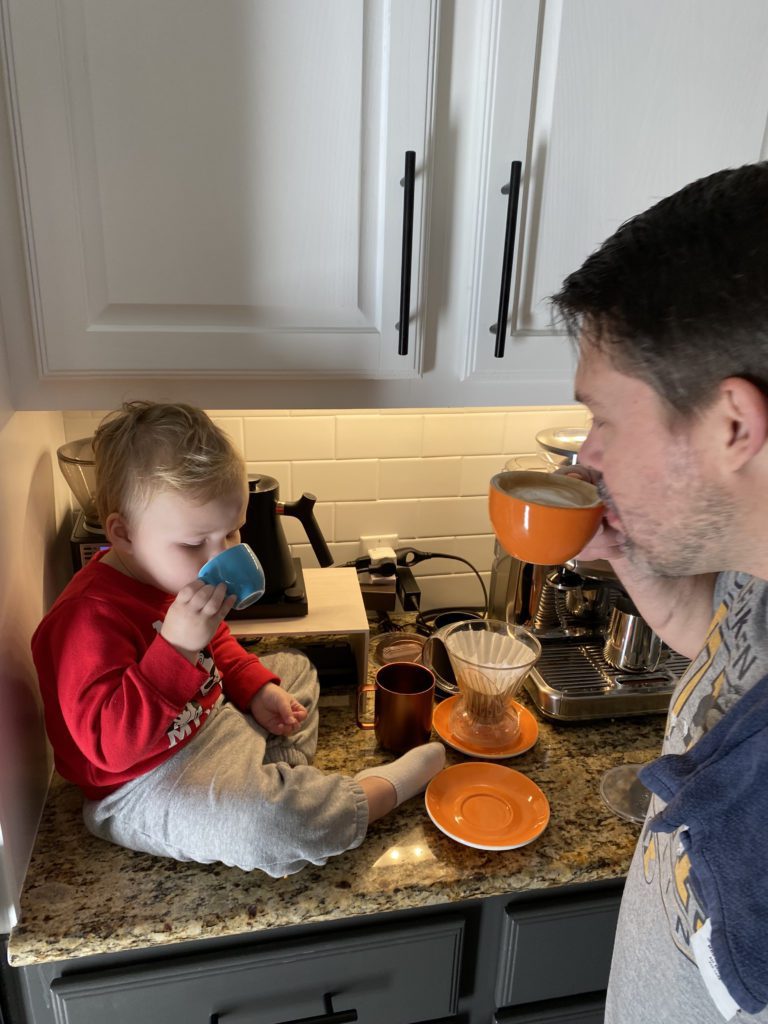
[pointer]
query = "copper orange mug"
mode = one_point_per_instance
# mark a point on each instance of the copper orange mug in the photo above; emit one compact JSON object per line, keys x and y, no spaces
{"x":543,"y":518}
{"x":404,"y":695}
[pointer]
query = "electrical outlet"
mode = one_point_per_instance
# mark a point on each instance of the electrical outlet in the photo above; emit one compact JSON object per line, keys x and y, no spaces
{"x":377,"y":540}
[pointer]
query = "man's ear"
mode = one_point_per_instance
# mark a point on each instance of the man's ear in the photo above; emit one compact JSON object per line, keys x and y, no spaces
{"x":118,"y":531}
{"x":744,"y":419}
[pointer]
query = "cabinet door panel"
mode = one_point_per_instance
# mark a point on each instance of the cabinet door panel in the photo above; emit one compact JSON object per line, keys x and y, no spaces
{"x":550,"y":950}
{"x":216,"y":187}
{"x":397,"y":975}
{"x":630,"y":102}
{"x":580,"y":1010}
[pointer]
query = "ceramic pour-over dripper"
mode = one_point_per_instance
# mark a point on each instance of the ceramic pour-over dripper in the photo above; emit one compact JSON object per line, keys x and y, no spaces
{"x":490,"y":660}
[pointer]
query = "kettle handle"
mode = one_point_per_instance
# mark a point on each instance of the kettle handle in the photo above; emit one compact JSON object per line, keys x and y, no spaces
{"x":303,"y":511}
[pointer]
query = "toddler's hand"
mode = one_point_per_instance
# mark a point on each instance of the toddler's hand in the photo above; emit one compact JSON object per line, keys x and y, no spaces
{"x":277,"y":711}
{"x":194,"y":617}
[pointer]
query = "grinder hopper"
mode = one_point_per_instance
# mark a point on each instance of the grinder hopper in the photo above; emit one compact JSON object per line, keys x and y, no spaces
{"x":78,"y":467}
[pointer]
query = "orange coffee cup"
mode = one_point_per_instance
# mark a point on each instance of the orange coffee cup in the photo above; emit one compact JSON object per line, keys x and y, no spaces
{"x":544,"y":518}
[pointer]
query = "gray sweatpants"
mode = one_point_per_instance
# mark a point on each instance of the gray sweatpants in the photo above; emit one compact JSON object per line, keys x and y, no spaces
{"x":238,"y":795}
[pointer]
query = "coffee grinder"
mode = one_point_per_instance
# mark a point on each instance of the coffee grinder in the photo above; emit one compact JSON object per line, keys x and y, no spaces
{"x":78,"y":467}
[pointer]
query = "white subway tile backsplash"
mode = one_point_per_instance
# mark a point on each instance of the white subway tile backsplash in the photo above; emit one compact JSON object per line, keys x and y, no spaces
{"x":422,"y":474}
{"x":346,"y":480}
{"x":522,"y":425}
{"x":478,"y":550}
{"x":417,"y":478}
{"x":476,"y":473}
{"x":448,"y":517}
{"x":233,"y":428}
{"x":379,"y":437}
{"x":272,"y":439}
{"x":463,"y":432}
{"x":357,"y":518}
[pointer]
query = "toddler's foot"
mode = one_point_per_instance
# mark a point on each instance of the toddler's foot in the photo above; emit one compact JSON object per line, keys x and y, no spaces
{"x":409,"y":774}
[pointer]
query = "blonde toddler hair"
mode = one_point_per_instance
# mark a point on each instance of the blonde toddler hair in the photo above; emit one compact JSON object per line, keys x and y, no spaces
{"x":146,"y":447}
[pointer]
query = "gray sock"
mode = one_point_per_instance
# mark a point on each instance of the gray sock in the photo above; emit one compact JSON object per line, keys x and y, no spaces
{"x":410,"y":773}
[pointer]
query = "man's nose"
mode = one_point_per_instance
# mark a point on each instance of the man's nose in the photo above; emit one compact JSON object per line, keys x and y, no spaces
{"x":589,"y":453}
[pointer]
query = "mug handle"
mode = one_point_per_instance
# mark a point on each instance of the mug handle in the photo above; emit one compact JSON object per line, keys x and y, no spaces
{"x":361,"y":702}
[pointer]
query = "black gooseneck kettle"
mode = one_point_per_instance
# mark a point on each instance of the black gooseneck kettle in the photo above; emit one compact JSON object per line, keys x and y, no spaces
{"x":264,"y":533}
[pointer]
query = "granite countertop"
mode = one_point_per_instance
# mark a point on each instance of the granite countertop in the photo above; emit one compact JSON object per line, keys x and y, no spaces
{"x":83,"y":896}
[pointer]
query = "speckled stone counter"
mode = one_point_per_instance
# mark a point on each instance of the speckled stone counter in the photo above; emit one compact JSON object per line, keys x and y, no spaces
{"x":83,"y":896}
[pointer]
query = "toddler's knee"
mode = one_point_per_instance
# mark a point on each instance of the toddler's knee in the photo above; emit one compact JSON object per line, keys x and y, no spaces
{"x":296,"y":671}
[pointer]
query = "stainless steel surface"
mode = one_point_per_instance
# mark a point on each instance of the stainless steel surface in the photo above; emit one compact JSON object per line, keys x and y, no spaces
{"x":586,"y":600}
{"x":532,"y":461}
{"x":630,"y":644}
{"x":551,"y":601}
{"x":573,"y":682}
{"x":562,"y":441}
{"x":596,"y":570}
{"x":569,"y":609}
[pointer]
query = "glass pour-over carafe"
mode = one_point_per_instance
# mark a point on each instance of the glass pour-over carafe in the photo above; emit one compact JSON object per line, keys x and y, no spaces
{"x":490,"y":660}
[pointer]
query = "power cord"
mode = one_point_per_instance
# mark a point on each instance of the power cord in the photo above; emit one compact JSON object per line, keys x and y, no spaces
{"x":412,"y":556}
{"x":407,"y":557}
{"x":365,"y":563}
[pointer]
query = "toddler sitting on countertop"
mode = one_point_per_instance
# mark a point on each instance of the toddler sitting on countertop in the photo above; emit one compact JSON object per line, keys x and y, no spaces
{"x":184,"y":744}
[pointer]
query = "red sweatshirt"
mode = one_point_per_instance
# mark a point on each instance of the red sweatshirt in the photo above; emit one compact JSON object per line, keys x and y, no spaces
{"x":118,"y":698}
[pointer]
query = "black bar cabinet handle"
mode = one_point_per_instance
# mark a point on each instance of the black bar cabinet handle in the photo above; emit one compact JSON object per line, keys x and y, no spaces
{"x":512,"y":190}
{"x":408,"y":182}
{"x":330,"y":1017}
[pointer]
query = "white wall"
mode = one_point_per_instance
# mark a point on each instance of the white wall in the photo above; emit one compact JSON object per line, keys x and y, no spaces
{"x":28,"y":551}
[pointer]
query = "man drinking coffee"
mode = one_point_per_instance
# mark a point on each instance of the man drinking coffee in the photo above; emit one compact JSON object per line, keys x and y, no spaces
{"x":671,"y":317}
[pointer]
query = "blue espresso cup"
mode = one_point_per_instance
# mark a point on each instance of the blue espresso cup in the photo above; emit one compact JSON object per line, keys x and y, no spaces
{"x":240,"y":569}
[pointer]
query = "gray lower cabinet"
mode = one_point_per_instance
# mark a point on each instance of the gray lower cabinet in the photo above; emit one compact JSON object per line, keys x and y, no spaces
{"x":399,"y":975}
{"x":540,"y":958}
{"x":558,"y":948}
{"x":575,"y":1010}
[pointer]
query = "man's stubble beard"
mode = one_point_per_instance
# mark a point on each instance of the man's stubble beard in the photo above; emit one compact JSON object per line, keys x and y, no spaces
{"x":698,"y":542}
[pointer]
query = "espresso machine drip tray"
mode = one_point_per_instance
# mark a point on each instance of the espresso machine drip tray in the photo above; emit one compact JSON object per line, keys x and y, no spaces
{"x":572,"y":681}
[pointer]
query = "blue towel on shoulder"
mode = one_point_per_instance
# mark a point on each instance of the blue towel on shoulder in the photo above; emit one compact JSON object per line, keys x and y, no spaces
{"x":719,"y":790}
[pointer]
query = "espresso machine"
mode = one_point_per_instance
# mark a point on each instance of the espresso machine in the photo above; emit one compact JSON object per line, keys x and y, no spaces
{"x":599,"y":658}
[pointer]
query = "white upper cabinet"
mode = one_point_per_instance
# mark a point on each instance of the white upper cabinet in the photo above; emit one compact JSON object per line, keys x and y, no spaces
{"x":609,"y":105}
{"x":210,"y":190}
{"x":214,"y":187}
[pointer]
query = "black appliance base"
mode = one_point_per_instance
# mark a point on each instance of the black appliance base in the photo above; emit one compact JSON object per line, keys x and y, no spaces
{"x":290,"y":604}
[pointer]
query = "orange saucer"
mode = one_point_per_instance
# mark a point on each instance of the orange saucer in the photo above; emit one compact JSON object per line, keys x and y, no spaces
{"x":526,"y":737}
{"x":486,"y":806}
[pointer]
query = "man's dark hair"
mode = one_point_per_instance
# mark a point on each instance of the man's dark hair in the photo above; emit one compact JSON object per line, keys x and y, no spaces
{"x":678,"y":296}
